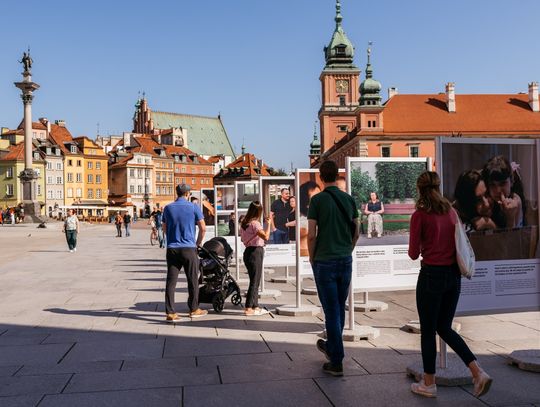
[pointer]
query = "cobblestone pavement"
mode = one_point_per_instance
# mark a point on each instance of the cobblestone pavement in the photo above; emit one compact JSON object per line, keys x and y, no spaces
{"x":87,"y":329}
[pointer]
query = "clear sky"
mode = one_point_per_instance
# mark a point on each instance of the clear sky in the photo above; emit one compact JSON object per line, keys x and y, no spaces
{"x":256,"y":62}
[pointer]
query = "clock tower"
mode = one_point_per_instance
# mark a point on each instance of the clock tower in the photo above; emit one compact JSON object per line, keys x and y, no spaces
{"x":340,"y":87}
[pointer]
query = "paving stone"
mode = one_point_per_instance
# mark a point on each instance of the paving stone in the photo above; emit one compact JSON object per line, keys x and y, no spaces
{"x":23,"y":385}
{"x":243,"y":360}
{"x":388,"y":390}
{"x":166,"y":363}
{"x":6,"y":340}
{"x":497,"y":330}
{"x":169,"y":397}
{"x":8,"y":370}
{"x":115,"y":350}
{"x":140,"y":379}
{"x":11,"y":355}
{"x":177,"y":346}
{"x":21,"y":401}
{"x":82,"y":367}
{"x":79,"y":336}
{"x":285,"y":393}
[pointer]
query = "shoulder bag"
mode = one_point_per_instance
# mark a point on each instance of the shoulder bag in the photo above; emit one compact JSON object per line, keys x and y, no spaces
{"x":464,"y":251}
{"x":350,"y":221}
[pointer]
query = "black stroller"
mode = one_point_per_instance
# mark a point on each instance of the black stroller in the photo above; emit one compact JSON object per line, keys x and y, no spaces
{"x":216,"y":281}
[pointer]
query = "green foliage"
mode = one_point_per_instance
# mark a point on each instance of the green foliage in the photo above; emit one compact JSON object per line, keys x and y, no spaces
{"x":361,"y":186}
{"x":276,"y":171}
{"x":397,"y":180}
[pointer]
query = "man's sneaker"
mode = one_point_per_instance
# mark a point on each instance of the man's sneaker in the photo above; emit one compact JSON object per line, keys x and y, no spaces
{"x":173,"y":317}
{"x":321,"y":345}
{"x":74,"y":249}
{"x":333,"y":369}
{"x":423,"y":390}
{"x":198,"y":313}
{"x":482,"y":384}
{"x":71,"y":251}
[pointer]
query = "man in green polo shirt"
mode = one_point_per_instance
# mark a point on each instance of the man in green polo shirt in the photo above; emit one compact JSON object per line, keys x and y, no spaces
{"x":332,"y":235}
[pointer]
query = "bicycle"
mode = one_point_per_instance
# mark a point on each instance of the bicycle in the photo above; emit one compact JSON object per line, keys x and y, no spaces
{"x":154,"y":237}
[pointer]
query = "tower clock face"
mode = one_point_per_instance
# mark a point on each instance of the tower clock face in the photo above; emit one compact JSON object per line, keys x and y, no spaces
{"x":342,"y":86}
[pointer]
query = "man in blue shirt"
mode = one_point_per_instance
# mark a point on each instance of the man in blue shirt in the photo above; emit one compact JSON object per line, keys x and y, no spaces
{"x":179,"y":221}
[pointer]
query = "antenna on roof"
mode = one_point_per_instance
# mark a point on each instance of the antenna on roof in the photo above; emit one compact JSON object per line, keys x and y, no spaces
{"x":97,"y":129}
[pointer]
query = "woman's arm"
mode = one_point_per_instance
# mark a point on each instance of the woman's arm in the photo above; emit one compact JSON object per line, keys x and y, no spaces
{"x":366,"y":211}
{"x":414,"y":236}
{"x":265,"y":234}
{"x":291,"y":224}
{"x":380,"y":212}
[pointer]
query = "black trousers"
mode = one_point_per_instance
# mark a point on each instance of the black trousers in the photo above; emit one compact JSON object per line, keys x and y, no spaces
{"x":182,"y":258}
{"x":253,"y":259}
{"x":437,"y":295}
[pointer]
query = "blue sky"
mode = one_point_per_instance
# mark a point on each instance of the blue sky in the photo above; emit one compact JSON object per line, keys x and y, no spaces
{"x":255,"y":62}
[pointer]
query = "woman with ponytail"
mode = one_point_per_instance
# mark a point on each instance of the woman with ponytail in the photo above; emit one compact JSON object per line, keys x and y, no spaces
{"x":254,"y":238}
{"x":439,"y":283}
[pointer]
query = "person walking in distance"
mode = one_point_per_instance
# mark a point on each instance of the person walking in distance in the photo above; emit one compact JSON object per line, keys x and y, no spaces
{"x":254,"y":237}
{"x":118,"y":220}
{"x":179,"y":220}
{"x":278,"y":213}
{"x":332,"y":235}
{"x":127,"y":223}
{"x":439,"y":283}
{"x":71,"y":229}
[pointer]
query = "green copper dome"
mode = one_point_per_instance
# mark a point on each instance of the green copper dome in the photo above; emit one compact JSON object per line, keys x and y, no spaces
{"x":315,"y":145}
{"x":340,"y":51}
{"x":370,"y":88}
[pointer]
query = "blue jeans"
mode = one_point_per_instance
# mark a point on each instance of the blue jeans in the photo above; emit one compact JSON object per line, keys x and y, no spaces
{"x":281,"y":237}
{"x":128,"y":229}
{"x":161,"y":237}
{"x":333,"y":278}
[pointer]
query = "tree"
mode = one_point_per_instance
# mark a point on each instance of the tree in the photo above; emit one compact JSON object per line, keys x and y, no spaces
{"x":361,"y":186}
{"x":397,"y":180}
{"x":276,"y":172}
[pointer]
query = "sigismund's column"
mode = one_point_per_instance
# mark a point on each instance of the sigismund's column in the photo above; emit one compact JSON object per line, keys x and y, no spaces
{"x":28,"y":176}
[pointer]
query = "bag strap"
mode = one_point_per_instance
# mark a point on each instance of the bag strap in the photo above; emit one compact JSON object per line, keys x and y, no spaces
{"x":340,"y":206}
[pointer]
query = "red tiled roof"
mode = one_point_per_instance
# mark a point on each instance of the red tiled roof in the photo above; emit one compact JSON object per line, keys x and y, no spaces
{"x":187,"y":152}
{"x":475,"y":114}
{"x":249,"y":163}
{"x":16,"y":152}
{"x":35,"y":125}
{"x":61,"y":135}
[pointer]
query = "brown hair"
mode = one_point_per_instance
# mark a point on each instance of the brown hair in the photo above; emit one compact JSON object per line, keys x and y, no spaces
{"x":430,"y":198}
{"x":254,"y":213}
{"x":329,"y":171}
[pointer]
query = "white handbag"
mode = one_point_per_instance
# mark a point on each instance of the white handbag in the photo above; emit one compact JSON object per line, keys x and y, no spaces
{"x":464,"y":251}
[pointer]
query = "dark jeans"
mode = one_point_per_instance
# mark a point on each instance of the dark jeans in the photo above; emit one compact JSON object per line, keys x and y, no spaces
{"x":71,"y":237}
{"x":118,"y":230}
{"x":128,"y":229}
{"x":281,"y":236}
{"x":253,"y":259}
{"x":176,"y":259}
{"x":437,"y":295}
{"x":333,"y":278}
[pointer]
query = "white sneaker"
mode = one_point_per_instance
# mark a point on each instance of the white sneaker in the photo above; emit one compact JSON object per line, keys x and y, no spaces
{"x":423,"y":390}
{"x":71,"y":251}
{"x":75,"y":249}
{"x":369,"y":235}
{"x":482,"y":384}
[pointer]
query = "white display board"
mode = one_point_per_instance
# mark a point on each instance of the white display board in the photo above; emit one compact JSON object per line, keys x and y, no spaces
{"x":507,"y":277}
{"x":280,"y":255}
{"x":383,"y":264}
{"x":384,"y":268}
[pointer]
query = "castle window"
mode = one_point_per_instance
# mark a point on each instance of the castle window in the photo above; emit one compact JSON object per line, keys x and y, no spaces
{"x":414,"y":151}
{"x":342,"y":101}
{"x":385,"y":151}
{"x":340,"y":50}
{"x":343,"y":128}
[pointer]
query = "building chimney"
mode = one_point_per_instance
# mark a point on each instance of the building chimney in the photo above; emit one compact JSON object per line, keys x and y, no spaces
{"x":451,"y":97}
{"x":534,"y":102}
{"x":60,"y":123}
{"x":46,"y":123}
{"x":392,"y":92}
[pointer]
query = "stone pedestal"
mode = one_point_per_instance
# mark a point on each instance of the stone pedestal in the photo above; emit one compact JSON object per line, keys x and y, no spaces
{"x":528,"y":359}
{"x":370,"y":306}
{"x":360,"y":332}
{"x":302,"y":311}
{"x":455,"y":374}
{"x":414,"y":327}
{"x":32,"y":208}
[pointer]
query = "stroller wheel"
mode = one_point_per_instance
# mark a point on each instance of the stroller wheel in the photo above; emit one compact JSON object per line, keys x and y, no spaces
{"x":236,"y":299}
{"x":218,"y":302}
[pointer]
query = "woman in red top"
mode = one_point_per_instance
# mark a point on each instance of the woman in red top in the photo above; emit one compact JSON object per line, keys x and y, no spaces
{"x":439,"y":283}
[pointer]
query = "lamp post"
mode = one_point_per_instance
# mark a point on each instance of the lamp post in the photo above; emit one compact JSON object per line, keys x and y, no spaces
{"x":28,"y":176}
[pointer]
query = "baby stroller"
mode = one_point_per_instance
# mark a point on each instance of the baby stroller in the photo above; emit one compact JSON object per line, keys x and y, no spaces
{"x":217,"y":283}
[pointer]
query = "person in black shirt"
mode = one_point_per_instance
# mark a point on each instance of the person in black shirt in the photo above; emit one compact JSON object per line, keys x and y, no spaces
{"x":291,"y":219}
{"x":231,"y":224}
{"x":374,"y":210}
{"x":278,"y":212}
